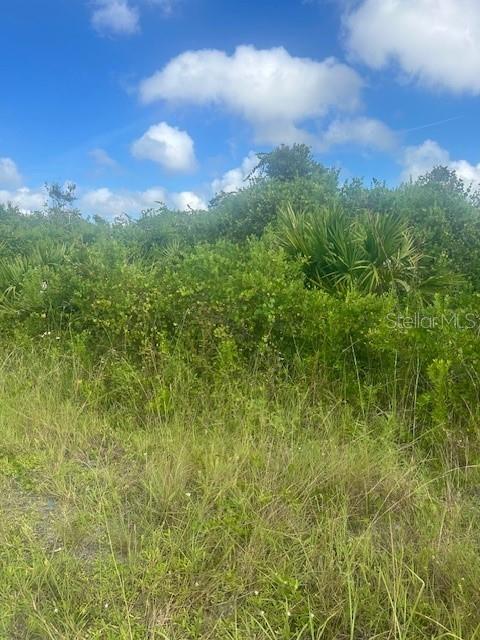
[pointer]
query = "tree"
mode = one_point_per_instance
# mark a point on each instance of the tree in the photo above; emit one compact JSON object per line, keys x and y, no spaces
{"x":61,"y":197}
{"x":288,"y":163}
{"x":61,"y":200}
{"x":444,"y":178}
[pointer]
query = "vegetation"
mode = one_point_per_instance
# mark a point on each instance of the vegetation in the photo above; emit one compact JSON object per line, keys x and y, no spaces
{"x":257,"y":421}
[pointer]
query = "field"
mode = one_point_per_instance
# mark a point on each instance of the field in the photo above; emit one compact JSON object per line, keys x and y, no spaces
{"x":253,"y":508}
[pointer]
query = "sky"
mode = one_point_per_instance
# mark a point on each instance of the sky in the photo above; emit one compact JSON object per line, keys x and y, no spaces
{"x":146,"y":101}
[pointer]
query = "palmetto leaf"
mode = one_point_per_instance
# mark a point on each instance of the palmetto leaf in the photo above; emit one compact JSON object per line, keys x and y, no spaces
{"x":373,"y":254}
{"x":14,"y":272}
{"x":11,"y":272}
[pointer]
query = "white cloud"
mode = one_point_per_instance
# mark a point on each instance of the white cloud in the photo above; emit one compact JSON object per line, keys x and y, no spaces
{"x":115,"y":17}
{"x":469,"y":173}
{"x":271,"y":89}
{"x":10,"y":177}
{"x":102,"y":159}
{"x":27,"y":200}
{"x":367,"y":132}
{"x":172,"y":148}
{"x":421,"y":159}
{"x":187,"y":200}
{"x":418,"y":160}
{"x":109,"y":203}
{"x":434,"y":41}
{"x":234,"y":179}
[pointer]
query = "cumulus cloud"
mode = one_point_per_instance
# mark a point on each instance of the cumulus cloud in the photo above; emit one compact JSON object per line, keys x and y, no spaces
{"x":172,"y":148}
{"x":418,"y":160}
{"x":109,"y":203}
{"x":12,"y":190}
{"x":187,"y":200}
{"x":271,"y":89}
{"x":367,"y":132}
{"x":10,"y":177}
{"x":234,"y":179}
{"x":27,"y":200}
{"x":421,"y":159}
{"x":469,"y":173}
{"x":435,"y":41}
{"x":115,"y":17}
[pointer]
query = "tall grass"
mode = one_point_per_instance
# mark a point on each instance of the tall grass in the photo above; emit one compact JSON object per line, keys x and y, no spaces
{"x":245,"y":507}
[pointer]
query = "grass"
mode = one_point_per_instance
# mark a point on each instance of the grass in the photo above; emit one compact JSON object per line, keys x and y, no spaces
{"x":248,"y":508}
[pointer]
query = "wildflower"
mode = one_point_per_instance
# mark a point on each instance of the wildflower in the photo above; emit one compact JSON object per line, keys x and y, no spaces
{"x":256,"y":592}
{"x":188,"y":494}
{"x":106,"y":605}
{"x":197,"y":584}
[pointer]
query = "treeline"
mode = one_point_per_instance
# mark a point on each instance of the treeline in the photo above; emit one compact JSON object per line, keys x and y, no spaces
{"x":370,"y":290}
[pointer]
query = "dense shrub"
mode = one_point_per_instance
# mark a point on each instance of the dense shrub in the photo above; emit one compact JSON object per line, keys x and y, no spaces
{"x":225,"y":288}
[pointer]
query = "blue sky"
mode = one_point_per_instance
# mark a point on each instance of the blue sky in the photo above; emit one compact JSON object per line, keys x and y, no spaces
{"x":138,"y":101}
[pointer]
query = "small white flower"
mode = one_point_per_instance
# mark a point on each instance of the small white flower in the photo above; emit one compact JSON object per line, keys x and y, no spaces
{"x":106,"y":605}
{"x":188,"y":494}
{"x":55,"y":610}
{"x":197,"y":584}
{"x":256,"y":592}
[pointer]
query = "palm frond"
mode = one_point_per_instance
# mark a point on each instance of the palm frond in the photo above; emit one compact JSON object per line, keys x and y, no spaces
{"x":373,"y":254}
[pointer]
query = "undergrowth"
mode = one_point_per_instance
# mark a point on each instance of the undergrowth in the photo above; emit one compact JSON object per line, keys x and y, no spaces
{"x":243,"y":507}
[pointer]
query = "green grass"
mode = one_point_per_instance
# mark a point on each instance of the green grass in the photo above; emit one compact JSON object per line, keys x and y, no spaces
{"x":250,"y":507}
